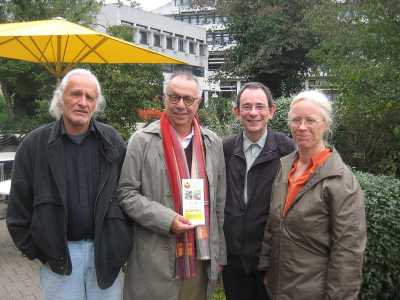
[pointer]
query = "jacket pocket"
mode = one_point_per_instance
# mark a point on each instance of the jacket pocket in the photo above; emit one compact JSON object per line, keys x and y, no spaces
{"x":117,"y":235}
{"x":233,"y":230}
{"x":47,"y":226}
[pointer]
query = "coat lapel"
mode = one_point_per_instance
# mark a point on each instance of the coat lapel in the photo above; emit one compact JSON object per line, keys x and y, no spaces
{"x":328,"y":169}
{"x":270,"y":150}
{"x":154,"y":128}
{"x":56,"y":160}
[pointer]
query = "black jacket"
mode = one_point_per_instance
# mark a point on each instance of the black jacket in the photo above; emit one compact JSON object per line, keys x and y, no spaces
{"x":244,"y":224}
{"x":37,"y":208}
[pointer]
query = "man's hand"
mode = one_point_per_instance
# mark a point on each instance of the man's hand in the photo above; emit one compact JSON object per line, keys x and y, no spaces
{"x":180,"y":225}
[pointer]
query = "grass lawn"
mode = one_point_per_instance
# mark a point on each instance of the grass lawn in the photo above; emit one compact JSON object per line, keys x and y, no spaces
{"x":219,"y":292}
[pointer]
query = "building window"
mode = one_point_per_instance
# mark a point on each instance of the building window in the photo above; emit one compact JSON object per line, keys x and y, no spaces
{"x":215,"y":61}
{"x":202,"y":49}
{"x":219,"y":20}
{"x":226,"y":38}
{"x":180,"y":45}
{"x":198,"y":71}
{"x":210,"y":38}
{"x":170,"y":43}
{"x":157,"y":40}
{"x":218,"y":38}
{"x":191,"y":48}
{"x":143,"y":37}
{"x":205,"y":20}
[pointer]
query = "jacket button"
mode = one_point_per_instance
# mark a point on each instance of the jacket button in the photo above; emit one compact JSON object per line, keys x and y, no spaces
{"x":61,"y":258}
{"x":166,"y":247}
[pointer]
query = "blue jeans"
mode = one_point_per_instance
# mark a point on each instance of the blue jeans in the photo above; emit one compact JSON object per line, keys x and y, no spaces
{"x":82,"y":283}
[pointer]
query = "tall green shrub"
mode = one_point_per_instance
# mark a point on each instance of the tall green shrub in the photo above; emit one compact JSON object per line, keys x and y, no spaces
{"x":218,"y":116}
{"x":279,"y":122}
{"x":382,"y":258}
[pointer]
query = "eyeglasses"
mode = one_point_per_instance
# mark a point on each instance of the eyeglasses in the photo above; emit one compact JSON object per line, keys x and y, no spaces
{"x":308,"y":122}
{"x":188,"y":100}
{"x":257,"y":107}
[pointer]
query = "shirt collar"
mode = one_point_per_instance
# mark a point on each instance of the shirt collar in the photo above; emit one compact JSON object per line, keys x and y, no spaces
{"x":63,"y":131}
{"x":260,"y":143}
{"x":186,"y":140}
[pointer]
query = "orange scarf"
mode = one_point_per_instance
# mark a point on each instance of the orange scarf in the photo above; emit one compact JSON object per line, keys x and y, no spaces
{"x":296,"y":184}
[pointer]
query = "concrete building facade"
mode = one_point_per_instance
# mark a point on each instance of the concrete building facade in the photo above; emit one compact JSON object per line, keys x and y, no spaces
{"x":162,"y":34}
{"x":218,"y":40}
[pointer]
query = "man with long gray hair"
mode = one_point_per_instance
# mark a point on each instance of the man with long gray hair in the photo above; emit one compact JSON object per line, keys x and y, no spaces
{"x":63,"y":208}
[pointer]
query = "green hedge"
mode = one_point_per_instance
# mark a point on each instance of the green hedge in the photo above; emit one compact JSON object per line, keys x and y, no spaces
{"x":382,"y":257}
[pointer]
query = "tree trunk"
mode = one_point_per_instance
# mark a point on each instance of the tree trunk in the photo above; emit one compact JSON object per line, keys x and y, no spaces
{"x":8,"y":99}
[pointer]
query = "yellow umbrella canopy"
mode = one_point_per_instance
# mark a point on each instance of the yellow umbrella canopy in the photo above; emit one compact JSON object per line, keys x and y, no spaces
{"x":59,"y":45}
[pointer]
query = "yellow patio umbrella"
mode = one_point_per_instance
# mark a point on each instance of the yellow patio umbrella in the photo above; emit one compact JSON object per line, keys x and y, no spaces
{"x":60,"y":45}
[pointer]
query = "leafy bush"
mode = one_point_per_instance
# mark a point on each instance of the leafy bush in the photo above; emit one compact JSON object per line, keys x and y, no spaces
{"x":218,"y":116}
{"x":126,"y":88}
{"x":3,"y":113}
{"x":382,"y":257}
{"x":25,"y":123}
{"x":279,"y":122}
{"x":364,"y":125}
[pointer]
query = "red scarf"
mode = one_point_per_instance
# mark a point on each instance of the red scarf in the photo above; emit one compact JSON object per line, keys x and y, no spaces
{"x":177,"y":170}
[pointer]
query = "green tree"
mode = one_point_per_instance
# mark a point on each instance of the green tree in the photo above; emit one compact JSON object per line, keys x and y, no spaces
{"x":359,"y":42}
{"x":82,"y":11}
{"x":273,"y":42}
{"x":127,"y":87}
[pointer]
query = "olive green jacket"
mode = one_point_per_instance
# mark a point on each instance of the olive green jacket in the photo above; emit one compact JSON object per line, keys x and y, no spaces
{"x":316,"y":251}
{"x":146,"y":197}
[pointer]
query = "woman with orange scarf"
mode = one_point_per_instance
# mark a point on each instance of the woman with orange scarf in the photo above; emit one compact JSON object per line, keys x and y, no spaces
{"x":316,"y":234}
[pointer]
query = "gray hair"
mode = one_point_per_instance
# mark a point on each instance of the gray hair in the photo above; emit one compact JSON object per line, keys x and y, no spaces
{"x":317,"y":98}
{"x":57,"y":103}
{"x":186,"y":75}
{"x":255,"y":86}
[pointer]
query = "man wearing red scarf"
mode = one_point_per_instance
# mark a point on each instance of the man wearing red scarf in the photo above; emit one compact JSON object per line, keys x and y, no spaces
{"x":173,"y":259}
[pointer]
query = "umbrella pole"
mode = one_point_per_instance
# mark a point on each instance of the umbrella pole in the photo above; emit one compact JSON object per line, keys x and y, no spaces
{"x":58,"y":63}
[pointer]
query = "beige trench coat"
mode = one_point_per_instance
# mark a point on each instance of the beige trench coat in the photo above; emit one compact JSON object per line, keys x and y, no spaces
{"x":146,"y":198}
{"x":316,"y":251}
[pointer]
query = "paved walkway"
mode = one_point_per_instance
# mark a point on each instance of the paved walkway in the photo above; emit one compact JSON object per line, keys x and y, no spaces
{"x":19,"y":277}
